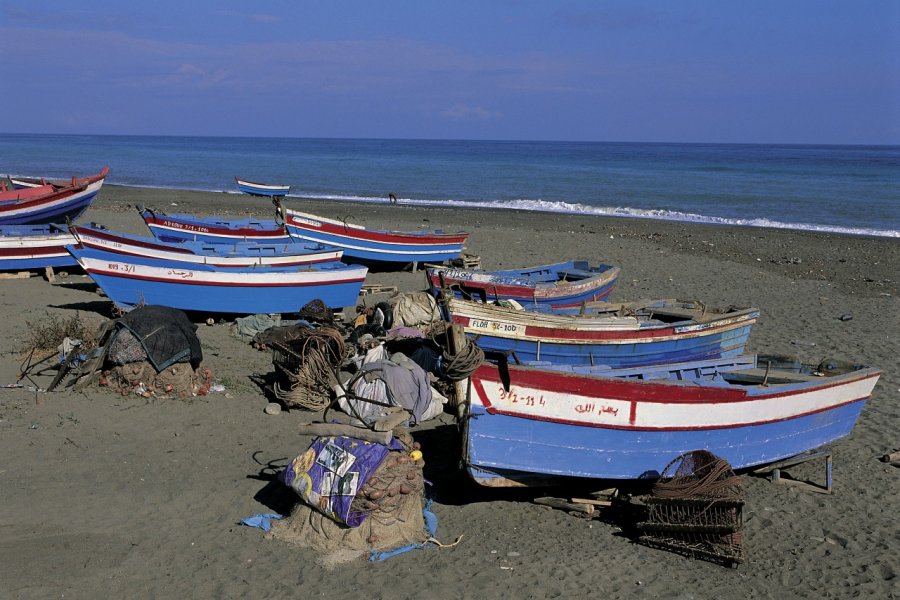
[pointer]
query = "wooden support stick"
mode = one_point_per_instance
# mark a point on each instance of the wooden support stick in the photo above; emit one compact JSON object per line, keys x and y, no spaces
{"x":607,"y":492}
{"x":328,"y":429}
{"x":562,"y":504}
{"x":389,"y":422}
{"x":592,"y":501}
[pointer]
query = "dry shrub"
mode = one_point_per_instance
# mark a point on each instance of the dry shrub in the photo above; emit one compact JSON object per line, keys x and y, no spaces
{"x":46,"y":334}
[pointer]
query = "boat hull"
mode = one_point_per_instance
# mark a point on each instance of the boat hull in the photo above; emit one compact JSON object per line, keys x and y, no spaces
{"x":604,"y":428}
{"x":188,"y":228}
{"x":53,"y":208}
{"x":611,"y":341}
{"x":262,"y":189}
{"x":376,"y":245}
{"x":130,"y":282}
{"x":239,"y":254}
{"x":26,"y":247}
{"x":558,"y":285}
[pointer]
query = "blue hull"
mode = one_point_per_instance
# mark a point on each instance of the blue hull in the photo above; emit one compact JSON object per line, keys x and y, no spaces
{"x":28,"y":264}
{"x":373,"y":251}
{"x":127,"y":293}
{"x":727,"y":344}
{"x":506,"y":447}
{"x":132,"y":281}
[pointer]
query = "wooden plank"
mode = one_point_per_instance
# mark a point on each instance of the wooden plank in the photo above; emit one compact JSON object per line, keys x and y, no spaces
{"x":336,"y":429}
{"x":586,"y":509}
{"x":592,"y":502}
{"x":19,"y":275}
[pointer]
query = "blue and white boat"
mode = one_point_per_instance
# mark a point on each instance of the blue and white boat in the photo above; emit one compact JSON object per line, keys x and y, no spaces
{"x":376,"y":245}
{"x":358,"y":243}
{"x":239,"y":254}
{"x":558,"y":285}
{"x":131,"y":281}
{"x":615,"y":334}
{"x":262,"y":189}
{"x":28,"y":247}
{"x":212,"y":230}
{"x":528,"y":425}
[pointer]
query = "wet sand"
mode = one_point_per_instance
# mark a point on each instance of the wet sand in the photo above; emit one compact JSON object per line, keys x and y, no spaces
{"x":111,"y":496}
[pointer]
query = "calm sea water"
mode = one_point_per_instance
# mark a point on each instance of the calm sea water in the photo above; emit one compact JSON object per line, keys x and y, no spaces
{"x":849,"y":189}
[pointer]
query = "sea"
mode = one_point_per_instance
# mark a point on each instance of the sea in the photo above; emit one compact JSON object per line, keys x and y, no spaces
{"x":841,"y":189}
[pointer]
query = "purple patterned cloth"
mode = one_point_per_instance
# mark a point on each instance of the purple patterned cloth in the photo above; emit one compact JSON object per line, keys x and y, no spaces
{"x":328,"y":475}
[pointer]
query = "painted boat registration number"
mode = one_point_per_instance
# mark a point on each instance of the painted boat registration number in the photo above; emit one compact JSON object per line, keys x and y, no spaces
{"x":495,"y":327}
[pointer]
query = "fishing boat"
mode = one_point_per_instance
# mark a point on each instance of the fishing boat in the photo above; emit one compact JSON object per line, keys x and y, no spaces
{"x":212,"y":230}
{"x":615,"y":334}
{"x":49,"y":202}
{"x":556,"y":285}
{"x":239,"y":254}
{"x":131,"y":281}
{"x":376,"y":245}
{"x":27,"y":247}
{"x":358,"y":243}
{"x":523,"y":425}
{"x":262,"y":189}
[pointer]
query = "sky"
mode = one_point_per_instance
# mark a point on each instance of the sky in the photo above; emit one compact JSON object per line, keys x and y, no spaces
{"x":764,"y":71}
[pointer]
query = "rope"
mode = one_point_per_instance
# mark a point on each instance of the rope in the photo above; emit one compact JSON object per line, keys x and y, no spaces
{"x":319,"y":352}
{"x":459,"y":366}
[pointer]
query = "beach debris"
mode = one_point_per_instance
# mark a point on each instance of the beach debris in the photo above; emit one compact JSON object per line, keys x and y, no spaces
{"x":466,"y":260}
{"x":892,"y":458}
{"x":804,"y":343}
{"x":696,"y":509}
{"x":272,"y":408}
{"x":562,"y":504}
{"x":18,"y":275}
{"x":846,"y":317}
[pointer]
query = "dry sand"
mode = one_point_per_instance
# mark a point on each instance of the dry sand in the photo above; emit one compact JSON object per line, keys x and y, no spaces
{"x":110,"y":496}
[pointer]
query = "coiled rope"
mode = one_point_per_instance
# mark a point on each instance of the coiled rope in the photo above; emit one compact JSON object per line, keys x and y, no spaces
{"x":308,"y":367}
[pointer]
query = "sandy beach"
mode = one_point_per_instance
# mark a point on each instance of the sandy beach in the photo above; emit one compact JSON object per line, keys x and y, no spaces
{"x":125,"y":497}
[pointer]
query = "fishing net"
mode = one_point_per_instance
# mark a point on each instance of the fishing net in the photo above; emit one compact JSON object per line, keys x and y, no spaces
{"x":696,"y":509}
{"x":386,"y":507}
{"x":176,"y":381}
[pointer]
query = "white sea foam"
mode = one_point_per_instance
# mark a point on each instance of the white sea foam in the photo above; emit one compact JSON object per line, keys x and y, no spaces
{"x":584,"y":209}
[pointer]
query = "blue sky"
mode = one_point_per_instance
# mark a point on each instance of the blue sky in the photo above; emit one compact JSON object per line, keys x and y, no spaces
{"x":672,"y":71}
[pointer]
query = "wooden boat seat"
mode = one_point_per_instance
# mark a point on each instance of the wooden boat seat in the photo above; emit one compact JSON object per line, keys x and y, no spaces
{"x":756,"y":375}
{"x":574,"y":275}
{"x":684,"y":313}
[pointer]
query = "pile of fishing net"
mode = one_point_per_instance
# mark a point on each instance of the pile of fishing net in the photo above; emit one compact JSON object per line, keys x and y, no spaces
{"x":358,"y":499}
{"x":154,"y":351}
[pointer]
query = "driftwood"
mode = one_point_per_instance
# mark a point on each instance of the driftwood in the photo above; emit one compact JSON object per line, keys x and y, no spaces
{"x":891,"y":457}
{"x":328,"y":429}
{"x":592,"y":502}
{"x":389,"y":422}
{"x":586,"y":509}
